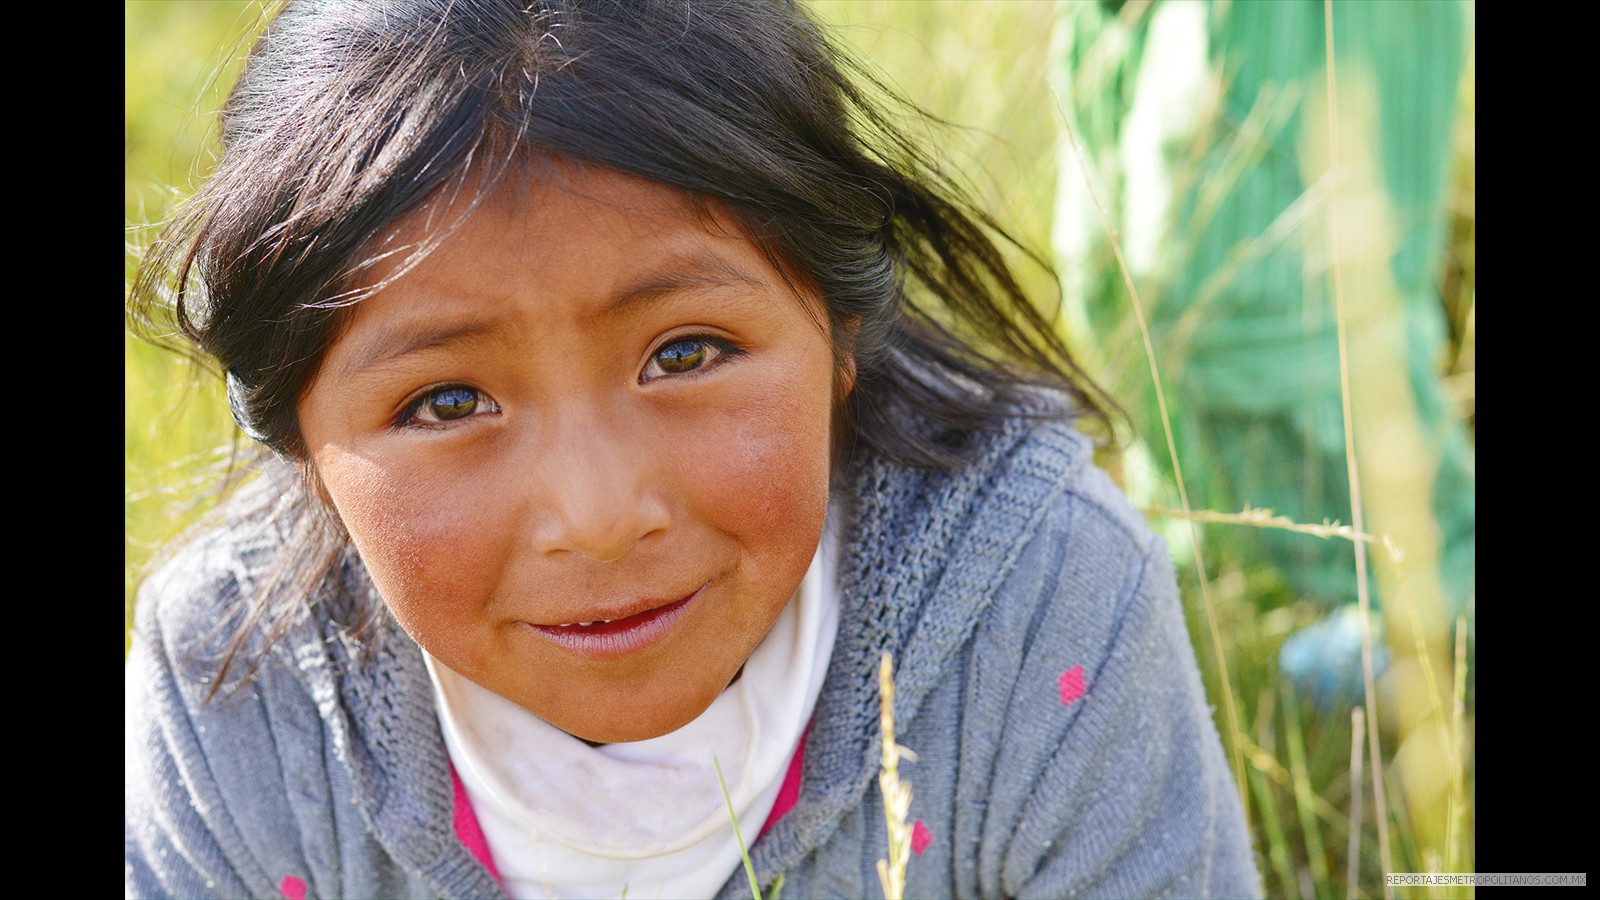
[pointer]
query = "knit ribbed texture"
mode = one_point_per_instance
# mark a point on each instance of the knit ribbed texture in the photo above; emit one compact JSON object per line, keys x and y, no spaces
{"x":987,"y":585}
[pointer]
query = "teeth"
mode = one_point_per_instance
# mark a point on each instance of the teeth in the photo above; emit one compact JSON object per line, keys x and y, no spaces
{"x":587,"y":624}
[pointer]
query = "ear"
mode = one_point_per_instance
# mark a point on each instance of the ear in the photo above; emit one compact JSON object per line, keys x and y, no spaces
{"x":845,"y":354}
{"x":313,"y":482}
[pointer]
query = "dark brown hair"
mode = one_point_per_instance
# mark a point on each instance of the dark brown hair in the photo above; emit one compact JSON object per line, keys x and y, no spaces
{"x":349,"y":115}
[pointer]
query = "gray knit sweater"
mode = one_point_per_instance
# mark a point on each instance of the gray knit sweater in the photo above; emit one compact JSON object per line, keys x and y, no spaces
{"x":328,"y":770}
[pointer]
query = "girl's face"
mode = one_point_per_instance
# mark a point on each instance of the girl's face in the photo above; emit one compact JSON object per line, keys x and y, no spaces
{"x":592,"y":402}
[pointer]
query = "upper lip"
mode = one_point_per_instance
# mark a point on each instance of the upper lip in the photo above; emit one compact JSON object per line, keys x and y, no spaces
{"x":622,"y":610}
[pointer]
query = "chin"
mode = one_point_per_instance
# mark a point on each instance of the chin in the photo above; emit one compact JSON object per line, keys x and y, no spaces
{"x":633,"y":714}
{"x":627,"y":731}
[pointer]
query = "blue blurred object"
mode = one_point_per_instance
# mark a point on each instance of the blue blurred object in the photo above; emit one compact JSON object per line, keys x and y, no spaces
{"x":1323,"y":661}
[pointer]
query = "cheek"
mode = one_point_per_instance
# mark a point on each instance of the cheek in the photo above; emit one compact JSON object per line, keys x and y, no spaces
{"x":777,"y":463}
{"x":422,"y":549}
{"x":765,"y":480}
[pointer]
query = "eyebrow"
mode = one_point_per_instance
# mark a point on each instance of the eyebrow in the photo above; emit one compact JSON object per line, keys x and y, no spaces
{"x":411,"y":338}
{"x":691,"y":273}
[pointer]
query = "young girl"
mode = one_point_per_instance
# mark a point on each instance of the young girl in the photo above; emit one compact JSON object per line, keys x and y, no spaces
{"x":631,"y":387}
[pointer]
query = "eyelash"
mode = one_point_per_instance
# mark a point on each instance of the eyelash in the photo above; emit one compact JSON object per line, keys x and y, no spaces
{"x":408,"y":417}
{"x":724,"y":351}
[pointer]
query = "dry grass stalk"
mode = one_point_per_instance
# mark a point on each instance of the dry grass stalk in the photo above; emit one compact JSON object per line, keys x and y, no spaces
{"x":1235,"y":736}
{"x":1307,"y":802}
{"x":1362,"y":599}
{"x":1266,"y":518}
{"x":896,"y":793}
{"x":1353,"y":855}
{"x":1267,"y":764}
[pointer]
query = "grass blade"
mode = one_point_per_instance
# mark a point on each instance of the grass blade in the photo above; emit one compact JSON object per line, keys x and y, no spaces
{"x":749,"y":870}
{"x":1358,"y":727}
{"x":1304,"y":797}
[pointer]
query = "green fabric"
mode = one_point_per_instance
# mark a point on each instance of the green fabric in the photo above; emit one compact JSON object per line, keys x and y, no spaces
{"x":1243,"y":322}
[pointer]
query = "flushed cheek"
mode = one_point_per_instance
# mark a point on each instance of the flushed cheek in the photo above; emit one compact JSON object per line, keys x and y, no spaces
{"x":767,"y":486}
{"x":427,"y":555}
{"x":780,"y":472}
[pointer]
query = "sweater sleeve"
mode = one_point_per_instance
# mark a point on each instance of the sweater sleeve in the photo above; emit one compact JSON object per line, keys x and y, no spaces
{"x":1124,"y":789}
{"x":176,"y":841}
{"x":225,"y":795}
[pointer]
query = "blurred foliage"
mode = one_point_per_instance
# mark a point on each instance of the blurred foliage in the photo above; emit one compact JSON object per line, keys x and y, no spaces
{"x":177,"y":430}
{"x":988,"y":91}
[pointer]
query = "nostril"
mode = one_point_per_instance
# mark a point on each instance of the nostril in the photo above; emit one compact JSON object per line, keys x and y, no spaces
{"x":606,"y":540}
{"x":595,"y":499}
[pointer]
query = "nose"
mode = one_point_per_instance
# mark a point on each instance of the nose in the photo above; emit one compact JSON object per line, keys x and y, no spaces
{"x":599,"y":492}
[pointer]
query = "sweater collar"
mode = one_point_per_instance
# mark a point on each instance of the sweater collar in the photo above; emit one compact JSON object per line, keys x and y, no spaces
{"x":926,"y":553}
{"x":377,"y":702}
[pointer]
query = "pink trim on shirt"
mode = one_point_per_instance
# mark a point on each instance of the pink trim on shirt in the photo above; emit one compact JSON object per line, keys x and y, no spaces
{"x":790,"y":791}
{"x":468,"y":829}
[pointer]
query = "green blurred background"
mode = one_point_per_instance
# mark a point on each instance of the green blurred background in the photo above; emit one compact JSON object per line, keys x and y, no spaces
{"x":1008,"y":74}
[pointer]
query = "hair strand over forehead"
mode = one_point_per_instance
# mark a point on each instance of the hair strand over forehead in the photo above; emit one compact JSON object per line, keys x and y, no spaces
{"x":351,"y":116}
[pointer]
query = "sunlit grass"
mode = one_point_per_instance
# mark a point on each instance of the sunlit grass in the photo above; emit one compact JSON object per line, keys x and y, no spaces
{"x":177,"y":431}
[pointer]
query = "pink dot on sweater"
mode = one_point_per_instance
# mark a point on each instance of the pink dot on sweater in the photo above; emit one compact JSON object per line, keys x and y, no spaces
{"x":292,"y":888}
{"x":1071,"y":684}
{"x":920,"y":838}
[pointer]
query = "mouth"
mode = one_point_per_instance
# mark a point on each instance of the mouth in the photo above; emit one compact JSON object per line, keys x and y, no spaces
{"x":607,"y":638}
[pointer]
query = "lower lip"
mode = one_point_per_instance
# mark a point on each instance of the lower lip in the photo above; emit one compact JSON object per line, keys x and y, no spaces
{"x":621,"y":636}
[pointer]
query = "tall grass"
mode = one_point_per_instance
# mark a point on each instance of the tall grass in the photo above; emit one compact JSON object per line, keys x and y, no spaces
{"x":1314,"y":814}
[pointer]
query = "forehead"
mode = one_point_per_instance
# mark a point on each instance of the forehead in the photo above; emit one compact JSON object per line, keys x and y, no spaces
{"x":553,"y":213}
{"x":588,"y":246}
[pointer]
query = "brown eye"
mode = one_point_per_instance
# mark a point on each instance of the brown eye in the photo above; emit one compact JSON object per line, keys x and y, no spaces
{"x":681,"y":356}
{"x":441,"y":406}
{"x":690,"y":356}
{"x":452,"y":403}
